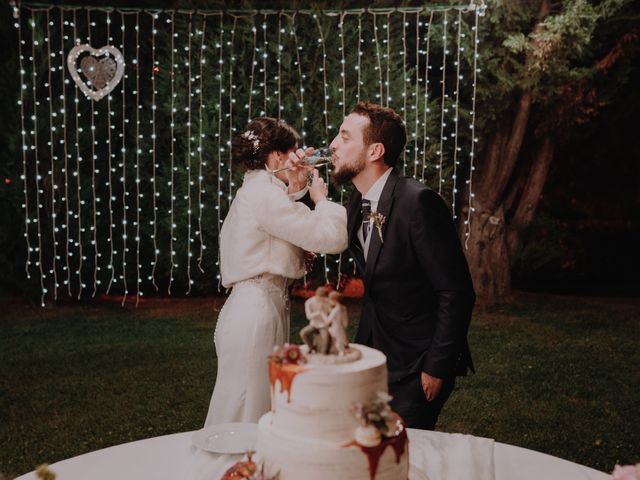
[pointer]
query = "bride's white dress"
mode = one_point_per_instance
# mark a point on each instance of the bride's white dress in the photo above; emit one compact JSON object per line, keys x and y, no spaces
{"x":261,"y":250}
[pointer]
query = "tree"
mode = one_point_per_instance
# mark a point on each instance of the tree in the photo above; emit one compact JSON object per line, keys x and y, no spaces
{"x":535,"y":89}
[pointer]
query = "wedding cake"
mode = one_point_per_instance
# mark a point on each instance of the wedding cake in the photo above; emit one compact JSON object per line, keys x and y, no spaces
{"x":330,"y":418}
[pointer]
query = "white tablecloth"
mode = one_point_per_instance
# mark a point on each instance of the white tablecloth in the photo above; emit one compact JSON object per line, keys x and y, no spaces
{"x":442,"y":456}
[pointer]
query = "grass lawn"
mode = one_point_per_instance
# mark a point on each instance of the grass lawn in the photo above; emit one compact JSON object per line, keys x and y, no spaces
{"x":556,"y":374}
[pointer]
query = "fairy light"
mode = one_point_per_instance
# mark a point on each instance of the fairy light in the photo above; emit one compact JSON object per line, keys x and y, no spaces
{"x":189,"y":153}
{"x":343,"y":104}
{"x":200,"y":137}
{"x":327,"y":127}
{"x":172,"y":153}
{"x":264,"y":64}
{"x":136,"y":61}
{"x":79,"y":201}
{"x":123,"y":162}
{"x":323,"y":70}
{"x":343,"y":62}
{"x":467,"y":222}
{"x":359,"y":60}
{"x":443,"y":96}
{"x":34,"y":42}
{"x":155,"y":69}
{"x":23,"y":135}
{"x":378,"y":64}
{"x":219,"y":135}
{"x":426,"y":110}
{"x":404,"y":83}
{"x":251,"y":76}
{"x":279,"y":62}
{"x":387,"y":26}
{"x":456,"y":148}
{"x":416,"y":95}
{"x":230,"y":114}
{"x":301,"y":76}
{"x":111,"y":170}
{"x":63,"y":141}
{"x":52,"y":157}
{"x":67,"y":216}
{"x":95,"y":200}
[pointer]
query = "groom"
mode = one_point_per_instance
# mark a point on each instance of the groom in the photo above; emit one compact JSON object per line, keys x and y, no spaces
{"x":418,"y":291}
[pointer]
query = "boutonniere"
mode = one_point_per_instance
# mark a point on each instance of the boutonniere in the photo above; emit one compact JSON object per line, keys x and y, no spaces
{"x":378,"y":220}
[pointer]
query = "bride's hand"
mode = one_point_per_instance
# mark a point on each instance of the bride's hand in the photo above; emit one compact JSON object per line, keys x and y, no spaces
{"x":299,"y":169}
{"x":318,"y":189}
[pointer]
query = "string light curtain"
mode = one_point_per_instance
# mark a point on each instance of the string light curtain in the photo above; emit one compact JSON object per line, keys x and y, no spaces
{"x":126,"y":194}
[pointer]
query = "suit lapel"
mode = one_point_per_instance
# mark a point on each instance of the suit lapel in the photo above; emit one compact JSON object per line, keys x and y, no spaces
{"x":384,"y":207}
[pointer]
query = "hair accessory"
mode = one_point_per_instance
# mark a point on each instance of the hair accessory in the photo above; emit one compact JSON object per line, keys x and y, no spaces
{"x":252,"y":137}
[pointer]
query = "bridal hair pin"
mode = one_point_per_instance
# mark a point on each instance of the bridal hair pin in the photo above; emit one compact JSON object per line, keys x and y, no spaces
{"x":252,"y":137}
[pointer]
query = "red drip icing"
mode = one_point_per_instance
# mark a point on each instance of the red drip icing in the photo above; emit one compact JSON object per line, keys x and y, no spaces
{"x":398,"y":443}
{"x":285,"y":372}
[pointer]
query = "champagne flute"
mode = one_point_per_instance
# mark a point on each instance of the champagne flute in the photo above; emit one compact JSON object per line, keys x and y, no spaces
{"x":321,"y":157}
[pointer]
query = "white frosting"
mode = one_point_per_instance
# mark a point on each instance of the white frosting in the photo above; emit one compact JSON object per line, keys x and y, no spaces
{"x":369,"y":436}
{"x":310,"y":436}
{"x":298,"y":457}
{"x":322,"y":397}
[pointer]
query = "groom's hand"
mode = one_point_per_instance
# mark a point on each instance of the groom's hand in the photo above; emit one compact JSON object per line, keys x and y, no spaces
{"x":318,"y":190}
{"x":430,"y":386}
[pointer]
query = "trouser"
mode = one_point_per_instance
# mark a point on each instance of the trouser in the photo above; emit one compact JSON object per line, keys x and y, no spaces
{"x":411,"y":404}
{"x":317,"y":339}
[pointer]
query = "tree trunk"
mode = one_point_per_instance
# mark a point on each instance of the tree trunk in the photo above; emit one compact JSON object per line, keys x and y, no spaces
{"x":531,"y":192}
{"x":487,"y":249}
{"x":488,"y":255}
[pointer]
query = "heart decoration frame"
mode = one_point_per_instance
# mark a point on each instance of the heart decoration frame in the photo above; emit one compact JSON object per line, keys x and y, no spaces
{"x":102,"y":74}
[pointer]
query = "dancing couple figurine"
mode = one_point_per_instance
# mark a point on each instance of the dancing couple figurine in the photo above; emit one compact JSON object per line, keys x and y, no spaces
{"x":328,"y":321}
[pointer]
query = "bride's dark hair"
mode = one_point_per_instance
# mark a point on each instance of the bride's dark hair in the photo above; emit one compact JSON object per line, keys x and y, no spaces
{"x":262,"y":136}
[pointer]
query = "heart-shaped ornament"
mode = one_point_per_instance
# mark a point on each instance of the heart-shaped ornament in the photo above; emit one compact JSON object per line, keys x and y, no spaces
{"x":101,"y":75}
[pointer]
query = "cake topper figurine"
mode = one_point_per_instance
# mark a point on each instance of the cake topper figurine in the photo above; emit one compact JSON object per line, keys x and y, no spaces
{"x":338,"y":322}
{"x":326,"y":335}
{"x":317,"y":310}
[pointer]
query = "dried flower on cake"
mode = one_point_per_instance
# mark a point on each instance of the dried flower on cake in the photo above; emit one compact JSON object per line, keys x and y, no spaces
{"x":288,"y":354}
{"x":377,"y":420}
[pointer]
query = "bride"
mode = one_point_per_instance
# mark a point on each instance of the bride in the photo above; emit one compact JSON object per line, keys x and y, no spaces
{"x":261,"y":249}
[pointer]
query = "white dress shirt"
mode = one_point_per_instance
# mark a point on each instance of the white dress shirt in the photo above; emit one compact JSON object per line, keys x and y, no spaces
{"x":266,"y":230}
{"x":373,"y":195}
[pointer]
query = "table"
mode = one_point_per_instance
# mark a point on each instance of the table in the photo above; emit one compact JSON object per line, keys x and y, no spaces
{"x":442,"y":456}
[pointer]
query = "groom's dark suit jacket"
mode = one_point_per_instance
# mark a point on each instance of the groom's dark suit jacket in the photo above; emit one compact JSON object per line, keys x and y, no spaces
{"x":418,"y":291}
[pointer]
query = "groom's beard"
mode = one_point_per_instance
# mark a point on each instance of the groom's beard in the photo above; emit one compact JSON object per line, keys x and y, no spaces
{"x":347,"y":172}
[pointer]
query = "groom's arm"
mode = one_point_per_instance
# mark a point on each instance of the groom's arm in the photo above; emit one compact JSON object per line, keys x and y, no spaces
{"x":299,"y":191}
{"x":306,"y":199}
{"x":441,"y":258}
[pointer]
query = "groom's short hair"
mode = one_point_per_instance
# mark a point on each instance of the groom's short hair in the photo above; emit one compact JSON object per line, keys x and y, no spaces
{"x":386,"y":127}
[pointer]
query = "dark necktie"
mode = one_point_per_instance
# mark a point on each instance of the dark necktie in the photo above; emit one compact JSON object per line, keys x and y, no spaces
{"x":366,"y":218}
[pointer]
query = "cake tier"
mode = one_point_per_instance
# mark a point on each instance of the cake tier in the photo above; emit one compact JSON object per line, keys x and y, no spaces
{"x":316,"y":400}
{"x":295,"y":457}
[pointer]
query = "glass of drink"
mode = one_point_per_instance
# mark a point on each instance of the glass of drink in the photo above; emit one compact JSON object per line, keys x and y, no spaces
{"x":321,"y":157}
